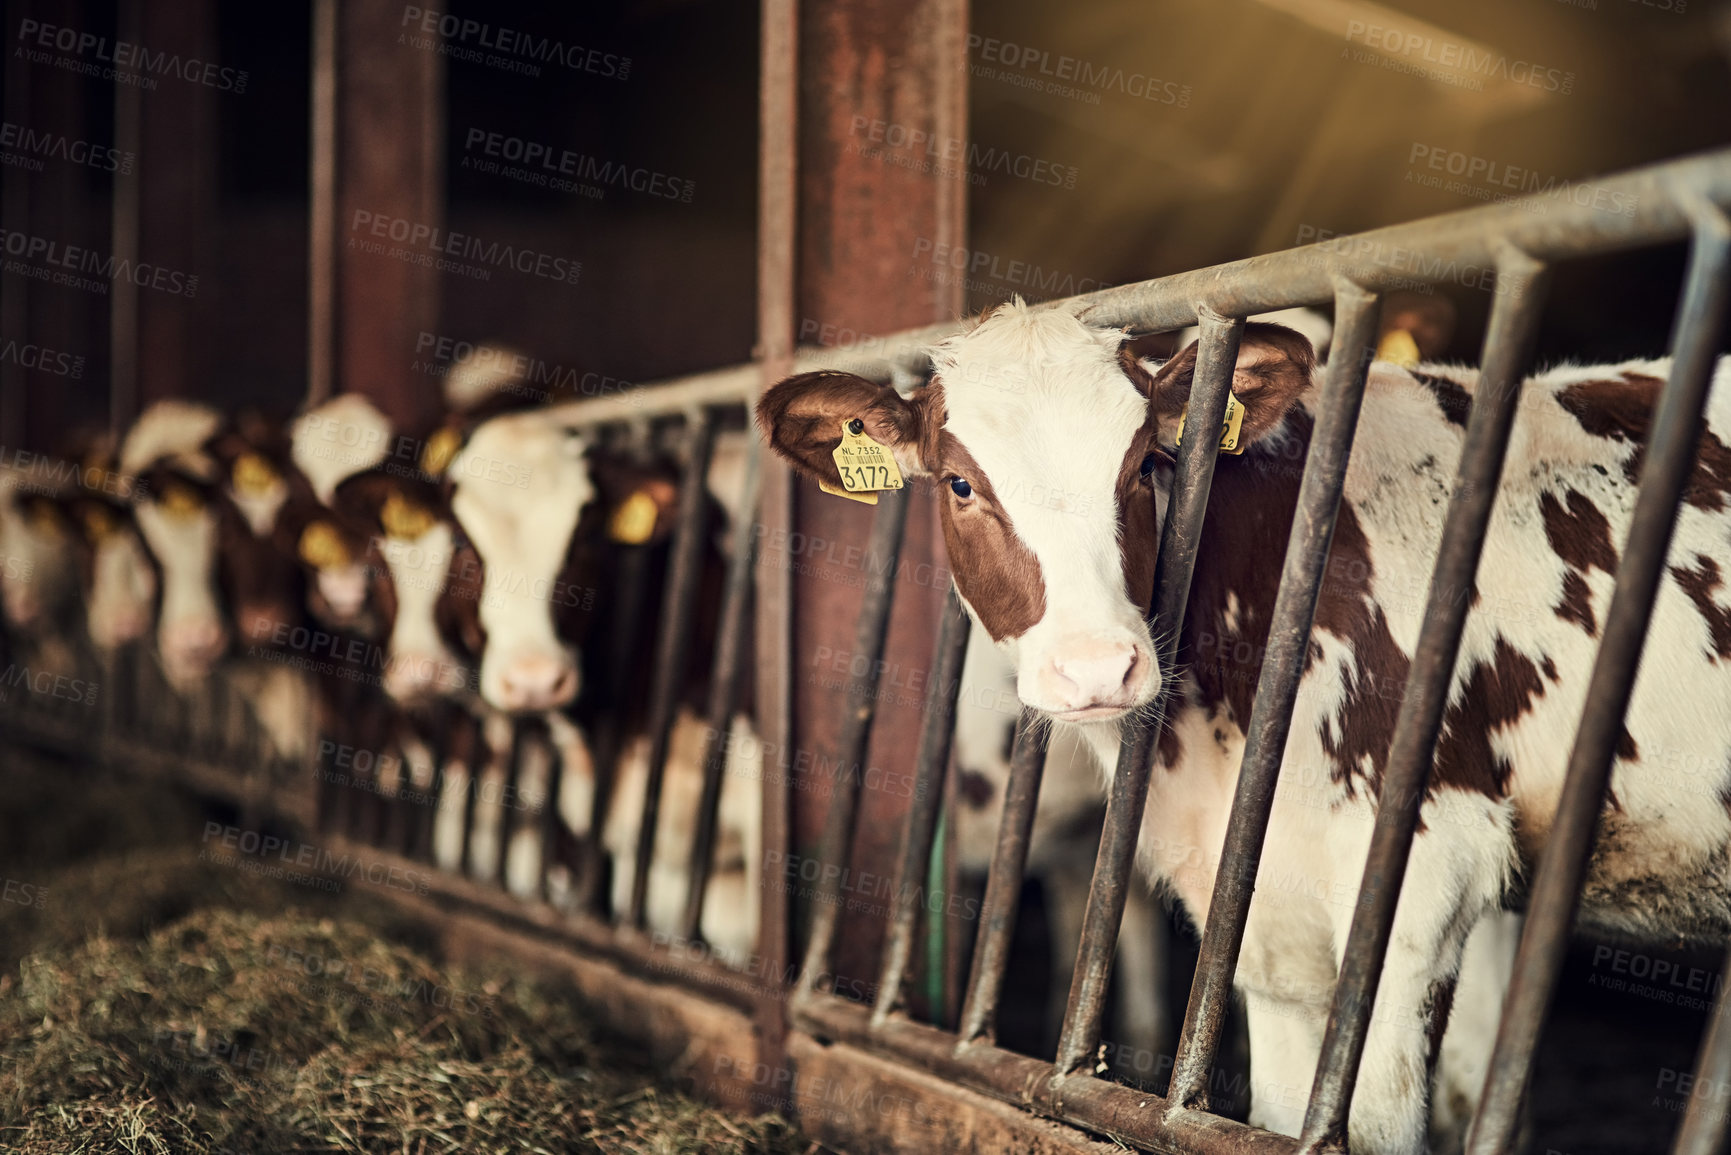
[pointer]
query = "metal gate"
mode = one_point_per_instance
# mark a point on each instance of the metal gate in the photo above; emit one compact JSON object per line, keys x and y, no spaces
{"x":1506,"y":246}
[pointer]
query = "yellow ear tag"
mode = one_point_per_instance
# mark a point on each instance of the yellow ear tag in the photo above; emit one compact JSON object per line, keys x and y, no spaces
{"x":252,"y":475}
{"x":46,"y":522}
{"x":441,"y":447}
{"x":1229,"y":425}
{"x":1398,"y":347}
{"x":99,"y":523}
{"x":180,"y":501}
{"x":865,"y":466}
{"x":633,"y":523}
{"x":321,"y":546}
{"x":404,"y":519}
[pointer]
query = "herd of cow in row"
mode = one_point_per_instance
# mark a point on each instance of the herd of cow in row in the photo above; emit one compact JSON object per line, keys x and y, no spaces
{"x":434,"y":620}
{"x":476,"y":567}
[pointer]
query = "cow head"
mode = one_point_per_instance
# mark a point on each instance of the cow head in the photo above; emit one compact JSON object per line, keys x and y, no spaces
{"x":177,"y":512}
{"x":519,"y":486}
{"x":265,"y":502}
{"x":118,"y":579}
{"x":1050,"y":447}
{"x":36,"y":556}
{"x":413,"y":568}
{"x":545,"y":511}
{"x":331,"y":443}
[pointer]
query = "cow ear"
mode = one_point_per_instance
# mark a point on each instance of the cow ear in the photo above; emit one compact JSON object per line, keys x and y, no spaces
{"x":1273,"y":371}
{"x":802,"y":417}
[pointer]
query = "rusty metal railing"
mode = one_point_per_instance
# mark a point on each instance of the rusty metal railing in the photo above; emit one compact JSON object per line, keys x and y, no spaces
{"x":1682,"y":200}
{"x":1679,"y":200}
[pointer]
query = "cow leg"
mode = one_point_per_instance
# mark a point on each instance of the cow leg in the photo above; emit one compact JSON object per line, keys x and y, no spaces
{"x":487,"y":831}
{"x":573,"y":807}
{"x":1285,"y":1040}
{"x":523,"y":856}
{"x":1447,"y":890}
{"x":1143,"y":948}
{"x":1065,"y":883}
{"x":1486,"y":968}
{"x":448,"y":823}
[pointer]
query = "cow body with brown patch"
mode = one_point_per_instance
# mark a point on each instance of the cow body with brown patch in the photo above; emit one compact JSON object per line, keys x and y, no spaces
{"x":1052,"y":454}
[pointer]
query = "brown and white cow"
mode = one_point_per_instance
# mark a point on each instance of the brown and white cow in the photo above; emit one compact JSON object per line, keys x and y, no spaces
{"x":554,"y":542}
{"x":1052,"y":452}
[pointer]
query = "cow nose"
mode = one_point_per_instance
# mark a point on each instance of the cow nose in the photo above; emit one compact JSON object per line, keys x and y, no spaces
{"x":1103,"y":675}
{"x":409,"y":676}
{"x":192,"y":644}
{"x":22,"y":607}
{"x":117,"y":627}
{"x":538,"y":682}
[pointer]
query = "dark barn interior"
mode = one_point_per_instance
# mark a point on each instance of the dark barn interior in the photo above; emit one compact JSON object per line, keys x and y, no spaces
{"x":271,"y":207}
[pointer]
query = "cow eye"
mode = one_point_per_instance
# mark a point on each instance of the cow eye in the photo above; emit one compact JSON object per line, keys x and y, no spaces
{"x":961,"y":488}
{"x":1148,"y":464}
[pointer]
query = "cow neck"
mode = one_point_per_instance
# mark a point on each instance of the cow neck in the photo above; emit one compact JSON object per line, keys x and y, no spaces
{"x":1249,"y":517}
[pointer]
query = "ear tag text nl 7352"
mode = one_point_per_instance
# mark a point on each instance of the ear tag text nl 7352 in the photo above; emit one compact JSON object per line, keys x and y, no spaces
{"x":1229,"y":425}
{"x":865,"y":466}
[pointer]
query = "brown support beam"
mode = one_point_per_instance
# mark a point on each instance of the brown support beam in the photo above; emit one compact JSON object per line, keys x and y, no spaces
{"x":322,"y":206}
{"x":777,"y":224}
{"x":390,"y":165}
{"x":901,"y":62}
{"x":175,"y":203}
{"x":53,"y":201}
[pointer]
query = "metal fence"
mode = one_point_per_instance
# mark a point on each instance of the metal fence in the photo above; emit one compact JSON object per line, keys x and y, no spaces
{"x":1684,"y":199}
{"x":1677,"y":201}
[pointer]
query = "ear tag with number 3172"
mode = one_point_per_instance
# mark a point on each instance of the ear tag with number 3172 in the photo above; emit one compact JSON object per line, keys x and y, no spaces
{"x":1229,"y":425}
{"x":865,"y":466}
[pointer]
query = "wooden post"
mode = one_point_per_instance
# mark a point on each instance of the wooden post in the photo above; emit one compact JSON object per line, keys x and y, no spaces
{"x":390,"y":166}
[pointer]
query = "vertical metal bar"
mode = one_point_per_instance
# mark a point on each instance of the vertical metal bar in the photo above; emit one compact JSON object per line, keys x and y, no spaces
{"x":123,"y":298}
{"x":1355,"y":313}
{"x":322,"y":193}
{"x":15,"y":205}
{"x":1703,"y":1130}
{"x":859,"y":710}
{"x":772,"y":619}
{"x":1180,"y":539}
{"x":929,"y":767}
{"x":520,"y":741}
{"x":1670,"y":456}
{"x":1520,"y":286}
{"x":673,"y":646}
{"x":629,"y":583}
{"x":1004,"y":879}
{"x":730,"y":653}
{"x":549,"y":819}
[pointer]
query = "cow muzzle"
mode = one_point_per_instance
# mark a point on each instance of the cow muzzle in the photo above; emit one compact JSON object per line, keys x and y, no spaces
{"x":190,"y":647}
{"x":1093,"y":680}
{"x":537,"y":682}
{"x":411,"y":677}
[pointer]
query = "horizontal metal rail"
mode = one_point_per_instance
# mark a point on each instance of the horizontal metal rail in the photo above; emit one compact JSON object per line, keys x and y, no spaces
{"x":1460,"y":247}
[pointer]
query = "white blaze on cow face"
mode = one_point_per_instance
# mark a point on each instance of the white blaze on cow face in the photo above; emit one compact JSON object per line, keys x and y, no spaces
{"x":122,"y":589}
{"x":522,"y":535}
{"x":260,"y":507}
{"x":419,"y":662}
{"x":190,"y":631}
{"x":1040,"y":403}
{"x":35,"y":562}
{"x":344,"y":589}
